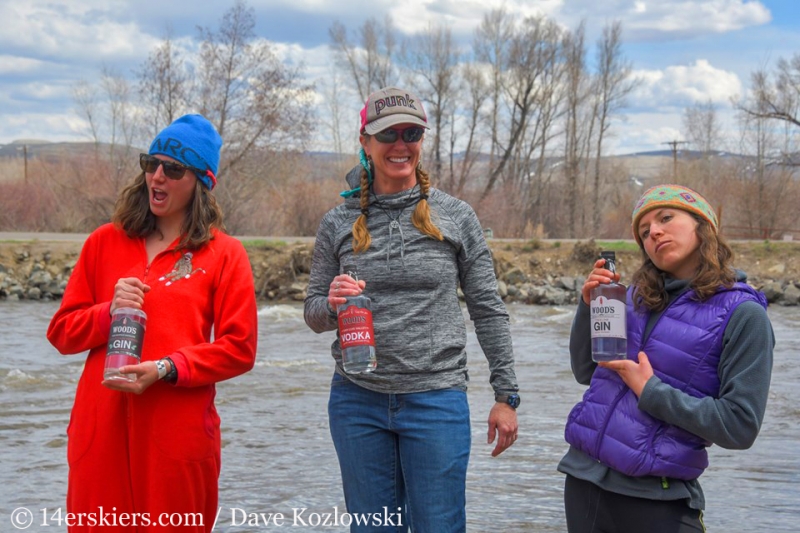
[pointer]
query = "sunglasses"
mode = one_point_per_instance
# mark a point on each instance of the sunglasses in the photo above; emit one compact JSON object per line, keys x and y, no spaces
{"x":173,"y":171}
{"x":409,"y":135}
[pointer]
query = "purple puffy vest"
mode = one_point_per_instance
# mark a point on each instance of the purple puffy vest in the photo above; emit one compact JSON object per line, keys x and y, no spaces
{"x":684,"y":349}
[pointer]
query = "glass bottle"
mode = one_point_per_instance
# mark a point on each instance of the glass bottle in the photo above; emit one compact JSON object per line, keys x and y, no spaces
{"x":356,"y":335}
{"x":609,"y":321}
{"x":124,"y":342}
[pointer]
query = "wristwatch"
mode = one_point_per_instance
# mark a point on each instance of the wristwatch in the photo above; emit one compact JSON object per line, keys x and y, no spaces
{"x":510,"y":399}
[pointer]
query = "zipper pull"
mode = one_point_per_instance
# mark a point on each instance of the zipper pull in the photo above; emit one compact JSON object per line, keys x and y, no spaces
{"x":664,"y":483}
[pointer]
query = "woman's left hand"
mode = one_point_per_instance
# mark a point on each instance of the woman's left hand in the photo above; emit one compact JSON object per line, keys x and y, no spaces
{"x":634,"y":375}
{"x":503,"y":424}
{"x":146,"y":375}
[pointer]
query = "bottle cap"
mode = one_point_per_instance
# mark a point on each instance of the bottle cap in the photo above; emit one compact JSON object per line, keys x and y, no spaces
{"x":611,"y":259}
{"x":351,"y":270}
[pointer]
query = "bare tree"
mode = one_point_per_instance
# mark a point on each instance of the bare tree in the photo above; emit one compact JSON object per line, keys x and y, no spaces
{"x":478,"y":91}
{"x":121,"y":121}
{"x":86,"y":97}
{"x":164,"y":86}
{"x":432,"y":58}
{"x":575,"y":87}
{"x":491,"y":47}
{"x":776,"y":98}
{"x":333,"y":103}
{"x":702,"y":126}
{"x":370,"y":61}
{"x":532,"y":52}
{"x":253,"y":99}
{"x":612,"y":87}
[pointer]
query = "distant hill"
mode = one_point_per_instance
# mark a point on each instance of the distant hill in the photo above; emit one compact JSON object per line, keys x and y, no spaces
{"x":46,"y":149}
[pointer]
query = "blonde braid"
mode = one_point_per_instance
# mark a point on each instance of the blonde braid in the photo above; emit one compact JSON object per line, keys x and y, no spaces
{"x":361,"y":237}
{"x":422,"y":214}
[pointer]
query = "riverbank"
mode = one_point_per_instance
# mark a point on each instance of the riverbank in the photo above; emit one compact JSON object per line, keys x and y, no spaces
{"x":534,"y":272}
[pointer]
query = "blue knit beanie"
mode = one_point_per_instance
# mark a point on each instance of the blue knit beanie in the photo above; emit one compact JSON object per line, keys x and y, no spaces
{"x":193,"y":141}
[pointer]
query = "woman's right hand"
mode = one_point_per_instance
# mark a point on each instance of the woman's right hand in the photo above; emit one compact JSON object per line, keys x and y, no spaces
{"x":129,"y":292}
{"x":599,"y":275}
{"x":342,"y":287}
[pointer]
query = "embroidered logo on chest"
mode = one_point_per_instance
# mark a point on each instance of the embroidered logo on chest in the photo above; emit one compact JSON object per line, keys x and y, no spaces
{"x":182,"y":270}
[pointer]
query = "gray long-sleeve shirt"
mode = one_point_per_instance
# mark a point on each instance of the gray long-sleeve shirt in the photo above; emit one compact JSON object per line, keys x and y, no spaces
{"x":412,"y":280}
{"x":731,"y":420}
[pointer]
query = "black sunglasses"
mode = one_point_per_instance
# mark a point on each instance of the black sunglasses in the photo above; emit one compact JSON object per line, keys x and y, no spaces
{"x":173,"y":171}
{"x":409,"y":135}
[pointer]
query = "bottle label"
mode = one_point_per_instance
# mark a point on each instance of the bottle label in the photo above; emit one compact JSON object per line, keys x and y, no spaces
{"x":355,"y":327}
{"x":126,"y":336}
{"x":608,"y":318}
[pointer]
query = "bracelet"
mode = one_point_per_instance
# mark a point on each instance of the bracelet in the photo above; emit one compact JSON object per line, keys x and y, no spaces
{"x":161,"y":366}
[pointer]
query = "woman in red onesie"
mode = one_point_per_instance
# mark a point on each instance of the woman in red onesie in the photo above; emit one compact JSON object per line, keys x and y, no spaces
{"x":145,"y":455}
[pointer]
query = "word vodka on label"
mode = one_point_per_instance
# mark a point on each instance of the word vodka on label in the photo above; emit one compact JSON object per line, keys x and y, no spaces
{"x":356,"y":336}
{"x":609,"y":323}
{"x":124,"y":342}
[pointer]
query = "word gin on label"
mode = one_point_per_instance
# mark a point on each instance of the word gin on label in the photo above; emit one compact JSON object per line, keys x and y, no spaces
{"x":124,"y":342}
{"x":356,"y":336}
{"x":609,"y":333}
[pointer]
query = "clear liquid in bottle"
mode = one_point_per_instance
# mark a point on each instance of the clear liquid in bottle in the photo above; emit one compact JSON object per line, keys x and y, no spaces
{"x":124,"y":342}
{"x":356,"y":335}
{"x":609,"y":321}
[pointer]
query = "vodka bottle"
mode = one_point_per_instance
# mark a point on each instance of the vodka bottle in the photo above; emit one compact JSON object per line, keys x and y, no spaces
{"x":609,"y":324}
{"x":124,"y":342}
{"x":356,"y":336}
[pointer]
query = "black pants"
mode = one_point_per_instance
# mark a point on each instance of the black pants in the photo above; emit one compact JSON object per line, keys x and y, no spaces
{"x":591,"y":509}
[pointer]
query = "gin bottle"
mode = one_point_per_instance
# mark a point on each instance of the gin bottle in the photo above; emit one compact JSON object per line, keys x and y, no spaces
{"x":124,"y":342}
{"x":356,"y":336}
{"x":609,"y":333}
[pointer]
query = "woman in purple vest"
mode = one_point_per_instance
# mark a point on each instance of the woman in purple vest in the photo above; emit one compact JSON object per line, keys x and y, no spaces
{"x":697,"y":373}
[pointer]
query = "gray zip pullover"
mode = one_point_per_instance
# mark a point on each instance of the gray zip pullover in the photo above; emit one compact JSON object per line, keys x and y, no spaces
{"x":412,"y":279}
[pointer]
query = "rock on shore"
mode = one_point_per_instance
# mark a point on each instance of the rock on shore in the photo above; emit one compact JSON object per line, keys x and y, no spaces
{"x":532,"y":272}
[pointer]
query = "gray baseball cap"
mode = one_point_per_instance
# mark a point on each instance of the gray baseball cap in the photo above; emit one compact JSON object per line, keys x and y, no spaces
{"x":390,"y":106}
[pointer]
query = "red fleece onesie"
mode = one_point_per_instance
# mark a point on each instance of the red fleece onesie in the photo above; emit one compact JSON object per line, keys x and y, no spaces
{"x":158,"y":452}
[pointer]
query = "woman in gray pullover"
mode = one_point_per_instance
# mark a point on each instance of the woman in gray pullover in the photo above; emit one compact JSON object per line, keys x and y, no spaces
{"x":402,"y":432}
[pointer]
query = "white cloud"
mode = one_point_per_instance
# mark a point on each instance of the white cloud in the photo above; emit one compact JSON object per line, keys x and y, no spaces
{"x":697,"y":16}
{"x":666,"y":19}
{"x":681,"y":86}
{"x":11,"y":65}
{"x":70,"y":30}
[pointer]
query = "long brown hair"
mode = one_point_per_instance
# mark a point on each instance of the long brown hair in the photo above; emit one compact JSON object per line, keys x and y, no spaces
{"x":421,"y":218}
{"x":714,"y":271}
{"x":203,"y":214}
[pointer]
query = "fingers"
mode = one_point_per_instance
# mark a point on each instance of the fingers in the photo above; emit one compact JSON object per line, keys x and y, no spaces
{"x":598,"y":275}
{"x":146,"y":374}
{"x":342,"y":287}
{"x":129,"y":292}
{"x":503,"y":425}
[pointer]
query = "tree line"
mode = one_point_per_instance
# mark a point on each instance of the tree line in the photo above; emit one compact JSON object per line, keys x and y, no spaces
{"x":519,"y":123}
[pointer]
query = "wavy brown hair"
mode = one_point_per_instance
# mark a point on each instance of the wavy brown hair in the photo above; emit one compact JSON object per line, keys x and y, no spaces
{"x":421,"y":218}
{"x":203,"y":214}
{"x":715,"y":271}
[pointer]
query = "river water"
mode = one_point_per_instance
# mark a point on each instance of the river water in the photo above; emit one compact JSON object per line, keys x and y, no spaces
{"x":278,"y":456}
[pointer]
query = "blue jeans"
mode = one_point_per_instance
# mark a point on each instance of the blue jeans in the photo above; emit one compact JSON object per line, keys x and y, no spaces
{"x":403,"y":456}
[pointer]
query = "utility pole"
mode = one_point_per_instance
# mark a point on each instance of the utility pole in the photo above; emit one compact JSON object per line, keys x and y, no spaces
{"x":25,"y":155}
{"x":674,"y":146}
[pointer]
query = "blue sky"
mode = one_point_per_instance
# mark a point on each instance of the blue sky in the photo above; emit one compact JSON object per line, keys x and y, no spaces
{"x":683,"y":51}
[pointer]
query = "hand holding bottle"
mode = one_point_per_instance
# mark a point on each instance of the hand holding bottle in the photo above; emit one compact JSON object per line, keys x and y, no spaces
{"x":342,"y":287}
{"x":129,"y":292}
{"x":600,"y":274}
